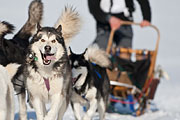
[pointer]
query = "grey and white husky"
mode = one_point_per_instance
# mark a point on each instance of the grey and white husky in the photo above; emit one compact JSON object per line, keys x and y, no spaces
{"x":47,"y":71}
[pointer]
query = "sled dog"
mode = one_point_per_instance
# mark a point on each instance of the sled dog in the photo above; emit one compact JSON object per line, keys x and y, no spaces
{"x":13,"y":50}
{"x":47,"y":71}
{"x":7,"y":92}
{"x":90,"y":80}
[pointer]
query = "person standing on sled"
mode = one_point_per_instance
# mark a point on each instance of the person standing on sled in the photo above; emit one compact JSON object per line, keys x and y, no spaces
{"x":109,"y":15}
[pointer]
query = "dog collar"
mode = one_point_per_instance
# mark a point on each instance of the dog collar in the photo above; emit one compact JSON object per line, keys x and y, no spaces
{"x":46,"y":81}
{"x":32,"y":57}
{"x":36,"y":58}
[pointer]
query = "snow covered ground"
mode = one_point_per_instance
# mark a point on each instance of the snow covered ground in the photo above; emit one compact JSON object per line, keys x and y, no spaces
{"x":165,"y":15}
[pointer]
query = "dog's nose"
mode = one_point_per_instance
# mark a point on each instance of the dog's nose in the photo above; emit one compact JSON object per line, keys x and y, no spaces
{"x":47,"y":48}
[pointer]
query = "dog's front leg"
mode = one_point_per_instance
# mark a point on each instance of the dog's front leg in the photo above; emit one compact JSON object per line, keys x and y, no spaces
{"x":63,"y":109}
{"x":76,"y":110}
{"x":92,"y":109}
{"x":39,"y":107}
{"x":22,"y":106}
{"x":91,"y":96}
{"x":76,"y":98}
{"x":56,"y":103}
{"x":10,"y":103}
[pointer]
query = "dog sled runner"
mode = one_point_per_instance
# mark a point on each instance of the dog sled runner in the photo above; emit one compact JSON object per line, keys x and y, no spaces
{"x":133,"y":83}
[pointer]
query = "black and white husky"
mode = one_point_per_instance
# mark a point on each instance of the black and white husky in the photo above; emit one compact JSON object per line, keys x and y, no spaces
{"x":13,"y":51}
{"x":90,"y":80}
{"x":47,"y":70}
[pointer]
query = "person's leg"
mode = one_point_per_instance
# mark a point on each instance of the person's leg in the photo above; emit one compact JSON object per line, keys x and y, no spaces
{"x":102,"y":37}
{"x":123,"y":36}
{"x":123,"y":39}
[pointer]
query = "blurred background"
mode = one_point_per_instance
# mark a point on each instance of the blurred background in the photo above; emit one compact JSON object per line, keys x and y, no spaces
{"x":165,"y":15}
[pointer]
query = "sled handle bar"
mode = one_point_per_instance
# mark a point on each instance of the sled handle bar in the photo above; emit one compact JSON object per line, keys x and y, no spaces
{"x":132,"y":23}
{"x":152,"y":26}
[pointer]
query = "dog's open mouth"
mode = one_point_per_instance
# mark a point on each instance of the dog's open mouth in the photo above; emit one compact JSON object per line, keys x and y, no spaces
{"x":75,"y":79}
{"x":47,"y":58}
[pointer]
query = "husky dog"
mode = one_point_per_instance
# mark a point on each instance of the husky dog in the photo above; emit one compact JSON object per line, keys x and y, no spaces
{"x":90,"y":80}
{"x":7,"y":92}
{"x":49,"y":73}
{"x":47,"y":70}
{"x":12,"y":51}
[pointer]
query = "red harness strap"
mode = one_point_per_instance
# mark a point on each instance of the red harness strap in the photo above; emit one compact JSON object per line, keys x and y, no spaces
{"x":46,"y":81}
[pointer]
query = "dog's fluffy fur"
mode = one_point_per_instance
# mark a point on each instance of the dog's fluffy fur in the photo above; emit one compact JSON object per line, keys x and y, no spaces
{"x":47,"y":69}
{"x":7,"y":92}
{"x":12,"y":51}
{"x":5,"y":28}
{"x":90,"y":80}
{"x":70,"y":22}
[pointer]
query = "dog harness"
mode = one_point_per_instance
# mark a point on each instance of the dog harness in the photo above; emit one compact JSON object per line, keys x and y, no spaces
{"x":97,"y":73}
{"x":46,"y":81}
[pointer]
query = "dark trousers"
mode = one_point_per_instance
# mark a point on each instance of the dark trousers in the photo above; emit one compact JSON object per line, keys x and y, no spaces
{"x":122,"y":37}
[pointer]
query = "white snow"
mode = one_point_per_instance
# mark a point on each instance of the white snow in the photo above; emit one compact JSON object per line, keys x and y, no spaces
{"x":165,"y":15}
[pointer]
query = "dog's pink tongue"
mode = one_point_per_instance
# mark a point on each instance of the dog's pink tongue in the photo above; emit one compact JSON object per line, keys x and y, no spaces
{"x":50,"y":57}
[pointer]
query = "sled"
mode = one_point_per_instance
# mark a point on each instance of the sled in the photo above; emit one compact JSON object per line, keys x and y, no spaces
{"x":133,"y":83}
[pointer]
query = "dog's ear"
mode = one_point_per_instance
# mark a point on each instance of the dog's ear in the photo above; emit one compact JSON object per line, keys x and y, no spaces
{"x":70,"y":50}
{"x":85,"y":51}
{"x":59,"y":29}
{"x":39,"y":28}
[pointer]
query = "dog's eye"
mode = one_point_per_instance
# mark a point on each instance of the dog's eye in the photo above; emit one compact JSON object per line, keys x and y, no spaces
{"x":53,"y":41}
{"x":42,"y":40}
